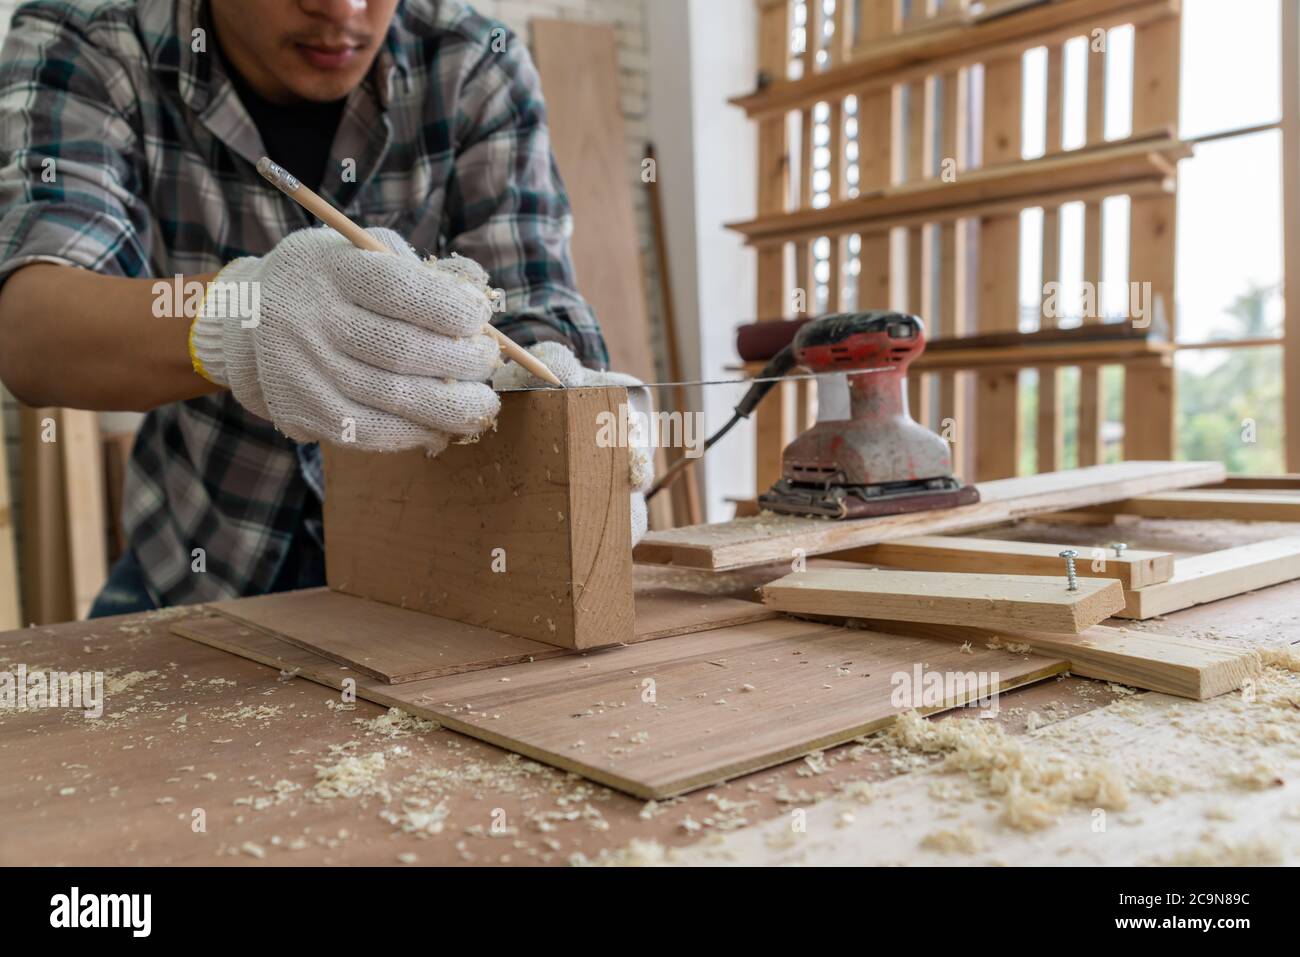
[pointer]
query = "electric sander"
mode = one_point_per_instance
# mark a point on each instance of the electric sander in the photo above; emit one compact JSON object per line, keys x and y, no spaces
{"x":865,"y":456}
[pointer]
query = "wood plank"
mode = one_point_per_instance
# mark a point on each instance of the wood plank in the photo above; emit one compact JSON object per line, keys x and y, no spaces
{"x":1016,"y":602}
{"x":773,"y":538}
{"x":1291,"y":229}
{"x":1005,"y":179}
{"x":1135,"y":568}
{"x":1205,"y":578}
{"x":1186,"y":667}
{"x":1241,"y":506}
{"x":84,"y":500}
{"x":578,"y":66}
{"x":396,"y":645}
{"x":665,"y":717}
{"x":10,"y":611}
{"x":391,"y":644}
{"x":526,"y":531}
{"x":47,"y":587}
{"x":937,"y":51}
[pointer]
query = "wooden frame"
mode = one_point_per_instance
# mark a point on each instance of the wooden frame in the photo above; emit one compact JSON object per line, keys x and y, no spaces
{"x":941,"y":185}
{"x":526,"y":531}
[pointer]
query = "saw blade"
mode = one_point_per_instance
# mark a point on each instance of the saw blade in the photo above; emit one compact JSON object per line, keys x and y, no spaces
{"x":799,"y":377}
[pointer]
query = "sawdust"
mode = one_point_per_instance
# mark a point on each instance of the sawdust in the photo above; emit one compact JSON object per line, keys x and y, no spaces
{"x":396,"y":724}
{"x":1033,"y":789}
{"x":1215,"y":852}
{"x":352,"y":776}
{"x":962,"y":840}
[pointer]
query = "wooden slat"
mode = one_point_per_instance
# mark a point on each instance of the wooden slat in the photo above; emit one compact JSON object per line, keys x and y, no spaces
{"x":47,"y":587}
{"x":1091,"y":400}
{"x":1014,"y":602}
{"x":1005,"y":179}
{"x":774,"y":538}
{"x":1149,"y":399}
{"x":1222,"y":574}
{"x":1291,"y":227}
{"x":1197,"y":505}
{"x":84,"y":502}
{"x":997,"y":403}
{"x":1049,"y":434}
{"x":1134,"y":568}
{"x":526,"y":531}
{"x":951,"y":315}
{"x":774,"y":419}
{"x":1186,"y":667}
{"x":648,"y":737}
{"x":907,"y":56}
{"x":10,"y":615}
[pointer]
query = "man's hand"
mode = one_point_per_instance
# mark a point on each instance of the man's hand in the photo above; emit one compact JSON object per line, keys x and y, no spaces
{"x":350,"y":346}
{"x":561,"y":360}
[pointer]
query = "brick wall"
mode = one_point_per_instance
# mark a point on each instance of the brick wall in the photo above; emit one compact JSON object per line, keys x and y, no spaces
{"x":627,"y":16}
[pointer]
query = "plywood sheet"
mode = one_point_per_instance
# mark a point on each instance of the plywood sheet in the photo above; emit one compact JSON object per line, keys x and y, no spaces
{"x":1029,"y":602}
{"x":664,"y":717}
{"x":396,"y":645}
{"x":773,"y":538}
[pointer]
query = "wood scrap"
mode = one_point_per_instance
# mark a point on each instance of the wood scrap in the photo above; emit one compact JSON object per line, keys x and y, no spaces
{"x":10,"y":616}
{"x":1204,"y":578}
{"x":1029,"y":602}
{"x":1186,"y":667}
{"x":773,"y":538}
{"x":1133,"y":568}
{"x":632,"y":718}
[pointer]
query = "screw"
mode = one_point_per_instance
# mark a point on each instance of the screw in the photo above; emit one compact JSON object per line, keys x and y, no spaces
{"x":1119,"y":549}
{"x":1070,"y":555}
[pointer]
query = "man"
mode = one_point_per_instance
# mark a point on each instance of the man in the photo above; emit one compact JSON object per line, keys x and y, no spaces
{"x":129,"y":134}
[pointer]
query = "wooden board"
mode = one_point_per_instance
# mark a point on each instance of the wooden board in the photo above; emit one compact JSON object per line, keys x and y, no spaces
{"x":810,"y":686}
{"x":1186,"y":667}
{"x":10,"y":616}
{"x":1136,"y":568}
{"x":1243,"y":506}
{"x":541,"y":494}
{"x":1018,"y":602}
{"x":1216,"y":575}
{"x":396,"y":645}
{"x":578,"y":66}
{"x":388,"y":643}
{"x":84,"y":501}
{"x":774,"y":538}
{"x":47,"y":587}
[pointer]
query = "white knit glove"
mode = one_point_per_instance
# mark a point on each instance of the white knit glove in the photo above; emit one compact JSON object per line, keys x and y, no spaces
{"x":561,"y":360}
{"x":348,"y":346}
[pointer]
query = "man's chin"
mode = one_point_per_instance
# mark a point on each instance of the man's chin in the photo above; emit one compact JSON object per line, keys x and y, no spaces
{"x":315,"y":87}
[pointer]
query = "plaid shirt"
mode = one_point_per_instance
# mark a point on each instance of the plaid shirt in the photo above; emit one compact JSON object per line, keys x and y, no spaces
{"x":155,"y":177}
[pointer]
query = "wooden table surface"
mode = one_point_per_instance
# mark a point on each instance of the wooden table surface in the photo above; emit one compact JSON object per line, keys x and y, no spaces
{"x":196,"y":735}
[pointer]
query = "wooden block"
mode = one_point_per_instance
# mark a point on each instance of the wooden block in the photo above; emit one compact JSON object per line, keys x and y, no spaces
{"x":396,"y":645}
{"x":683,"y":713}
{"x":1216,"y":575}
{"x":1028,"y":602}
{"x":1241,"y":506}
{"x":543,"y":497}
{"x":938,"y":553}
{"x":1186,"y":667}
{"x":774,"y":538}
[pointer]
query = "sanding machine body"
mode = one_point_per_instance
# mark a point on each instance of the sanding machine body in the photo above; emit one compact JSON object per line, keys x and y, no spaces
{"x":876,"y":460}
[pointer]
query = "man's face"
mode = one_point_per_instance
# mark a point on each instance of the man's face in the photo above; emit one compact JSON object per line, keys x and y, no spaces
{"x":295,"y":50}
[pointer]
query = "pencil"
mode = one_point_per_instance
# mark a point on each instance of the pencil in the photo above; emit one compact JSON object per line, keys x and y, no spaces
{"x":311,"y":201}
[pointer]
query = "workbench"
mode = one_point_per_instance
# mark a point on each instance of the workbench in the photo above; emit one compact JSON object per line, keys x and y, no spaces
{"x":194,"y":729}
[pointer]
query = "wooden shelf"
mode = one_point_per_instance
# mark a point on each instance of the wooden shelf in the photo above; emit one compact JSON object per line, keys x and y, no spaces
{"x":1146,"y":163}
{"x":898,"y":58}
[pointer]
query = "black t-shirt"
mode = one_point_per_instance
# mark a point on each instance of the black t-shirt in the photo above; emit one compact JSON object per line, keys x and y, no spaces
{"x":298,"y":136}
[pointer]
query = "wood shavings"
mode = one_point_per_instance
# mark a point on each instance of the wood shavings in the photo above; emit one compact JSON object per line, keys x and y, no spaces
{"x":962,"y":840}
{"x":352,"y":777}
{"x":1214,"y":852}
{"x":396,"y":723}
